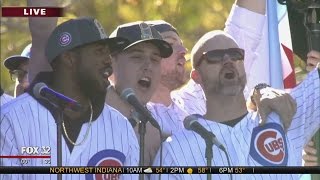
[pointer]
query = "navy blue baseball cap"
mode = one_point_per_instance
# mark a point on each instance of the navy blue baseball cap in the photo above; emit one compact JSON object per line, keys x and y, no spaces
{"x":139,"y":31}
{"x":13,"y":62}
{"x":78,"y":32}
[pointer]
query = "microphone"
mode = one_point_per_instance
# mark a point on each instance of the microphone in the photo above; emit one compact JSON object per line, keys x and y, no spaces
{"x":41,"y":90}
{"x":191,"y":123}
{"x":129,"y":96}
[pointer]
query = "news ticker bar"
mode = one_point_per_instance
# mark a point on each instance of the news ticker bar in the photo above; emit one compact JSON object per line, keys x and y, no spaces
{"x":158,"y":170}
{"x":32,"y":12}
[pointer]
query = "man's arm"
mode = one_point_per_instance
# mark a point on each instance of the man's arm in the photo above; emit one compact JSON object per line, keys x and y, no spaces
{"x":268,"y":99}
{"x":40,"y":29}
{"x":257,"y":6}
{"x":247,"y":33}
{"x":310,"y":157}
{"x":307,"y":119}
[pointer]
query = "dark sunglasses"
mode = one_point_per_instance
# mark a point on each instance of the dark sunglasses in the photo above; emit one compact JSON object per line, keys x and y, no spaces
{"x":216,"y":56}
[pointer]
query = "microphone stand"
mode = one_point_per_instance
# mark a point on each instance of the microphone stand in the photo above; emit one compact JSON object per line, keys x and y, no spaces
{"x":209,"y":153}
{"x":59,"y":115}
{"x":142,"y":132}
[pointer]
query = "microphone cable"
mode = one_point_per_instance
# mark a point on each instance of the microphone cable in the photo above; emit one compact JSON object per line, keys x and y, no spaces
{"x":228,"y":159}
{"x":161,"y":138}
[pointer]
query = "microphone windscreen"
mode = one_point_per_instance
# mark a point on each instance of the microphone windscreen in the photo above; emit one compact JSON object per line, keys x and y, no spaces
{"x":126,"y":93}
{"x":189,"y":120}
{"x":37,"y":89}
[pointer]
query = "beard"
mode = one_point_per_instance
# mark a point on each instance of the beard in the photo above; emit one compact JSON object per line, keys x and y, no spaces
{"x":173,"y":80}
{"x":226,"y":87}
{"x":89,"y":83}
{"x":232,"y":89}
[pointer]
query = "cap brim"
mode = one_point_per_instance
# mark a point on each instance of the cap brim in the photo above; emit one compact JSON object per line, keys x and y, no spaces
{"x":164,"y":47}
{"x":13,"y":62}
{"x":116,"y":43}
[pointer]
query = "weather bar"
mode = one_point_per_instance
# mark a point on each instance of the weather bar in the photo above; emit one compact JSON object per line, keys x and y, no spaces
{"x":159,"y":170}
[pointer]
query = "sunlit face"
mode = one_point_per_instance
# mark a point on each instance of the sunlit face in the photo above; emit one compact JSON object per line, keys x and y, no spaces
{"x":23,"y":77}
{"x":20,"y":76}
{"x":138,"y":68}
{"x":226,"y":77}
{"x":172,"y":68}
{"x":94,"y":67}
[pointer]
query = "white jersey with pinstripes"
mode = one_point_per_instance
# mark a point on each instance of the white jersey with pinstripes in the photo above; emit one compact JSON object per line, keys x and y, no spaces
{"x":192,"y":98}
{"x":5,"y":98}
{"x":249,"y":144}
{"x":25,"y":122}
{"x":170,"y":118}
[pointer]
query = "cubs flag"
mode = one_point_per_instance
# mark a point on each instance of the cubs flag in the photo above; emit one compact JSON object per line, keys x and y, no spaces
{"x":281,"y":65}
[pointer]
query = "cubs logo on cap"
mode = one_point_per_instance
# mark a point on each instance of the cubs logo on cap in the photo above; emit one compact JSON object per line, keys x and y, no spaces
{"x":269,"y":146}
{"x":108,"y":157}
{"x":65,"y":39}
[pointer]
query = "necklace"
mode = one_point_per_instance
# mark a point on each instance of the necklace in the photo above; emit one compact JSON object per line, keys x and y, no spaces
{"x":87,"y":132}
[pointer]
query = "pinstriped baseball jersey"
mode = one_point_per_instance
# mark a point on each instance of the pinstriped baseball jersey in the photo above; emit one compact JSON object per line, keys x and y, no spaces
{"x":191,"y":98}
{"x":249,"y":144}
{"x":169,"y":118}
{"x":5,"y":98}
{"x":111,"y":139}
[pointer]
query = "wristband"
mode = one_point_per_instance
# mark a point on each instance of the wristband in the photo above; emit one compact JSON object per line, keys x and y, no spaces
{"x":258,"y":87}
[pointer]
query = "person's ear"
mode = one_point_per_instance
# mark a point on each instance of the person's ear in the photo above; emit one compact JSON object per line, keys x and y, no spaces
{"x":113,"y":57}
{"x":195,"y":75}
